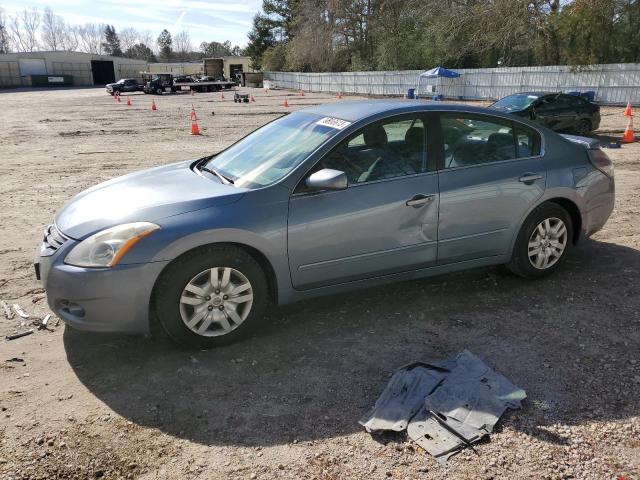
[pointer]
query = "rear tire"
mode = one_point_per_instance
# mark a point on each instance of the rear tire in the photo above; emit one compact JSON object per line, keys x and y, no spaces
{"x":543,"y":242}
{"x":177,"y":306}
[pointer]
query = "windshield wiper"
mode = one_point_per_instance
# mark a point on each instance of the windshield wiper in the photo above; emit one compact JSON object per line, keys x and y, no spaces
{"x":225,"y":180}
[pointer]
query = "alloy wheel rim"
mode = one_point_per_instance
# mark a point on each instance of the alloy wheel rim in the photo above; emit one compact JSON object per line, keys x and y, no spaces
{"x":216,"y":301}
{"x":547,"y":243}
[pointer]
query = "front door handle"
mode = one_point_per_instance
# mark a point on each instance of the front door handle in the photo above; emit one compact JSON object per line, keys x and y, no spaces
{"x":419,"y":200}
{"x":529,"y":178}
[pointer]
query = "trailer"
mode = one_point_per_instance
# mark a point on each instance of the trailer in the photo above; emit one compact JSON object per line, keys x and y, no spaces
{"x":159,"y":83}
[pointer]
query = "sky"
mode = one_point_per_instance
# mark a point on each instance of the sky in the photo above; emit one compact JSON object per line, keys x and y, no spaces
{"x":216,"y":20}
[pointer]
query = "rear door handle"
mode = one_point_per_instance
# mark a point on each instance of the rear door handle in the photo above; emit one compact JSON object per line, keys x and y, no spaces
{"x":529,"y":178}
{"x":419,"y":200}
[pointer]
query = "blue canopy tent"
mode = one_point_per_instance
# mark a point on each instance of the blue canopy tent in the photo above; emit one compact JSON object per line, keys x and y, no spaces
{"x":442,"y":80}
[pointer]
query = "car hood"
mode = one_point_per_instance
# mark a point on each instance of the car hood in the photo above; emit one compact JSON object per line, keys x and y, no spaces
{"x":146,"y":195}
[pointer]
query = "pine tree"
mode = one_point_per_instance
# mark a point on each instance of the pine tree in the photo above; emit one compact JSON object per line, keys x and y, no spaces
{"x":164,"y":45}
{"x":111,"y":44}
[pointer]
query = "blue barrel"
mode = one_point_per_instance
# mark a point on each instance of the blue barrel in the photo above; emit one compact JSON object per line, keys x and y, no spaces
{"x":411,"y":93}
{"x":589,"y":95}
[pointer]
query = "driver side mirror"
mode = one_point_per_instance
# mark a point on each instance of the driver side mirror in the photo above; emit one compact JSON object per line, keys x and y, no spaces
{"x":327,"y":179}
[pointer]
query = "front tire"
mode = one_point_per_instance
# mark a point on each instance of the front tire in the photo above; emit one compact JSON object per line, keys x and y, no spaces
{"x":211,"y":296}
{"x":543,"y":242}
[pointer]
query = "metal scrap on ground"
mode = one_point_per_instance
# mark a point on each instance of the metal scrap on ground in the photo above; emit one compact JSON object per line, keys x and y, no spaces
{"x":445,"y":406}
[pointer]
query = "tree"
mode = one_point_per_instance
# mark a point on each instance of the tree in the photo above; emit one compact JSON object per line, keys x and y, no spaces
{"x":260,"y":39}
{"x":164,"y":46}
{"x":91,"y":38}
{"x":111,"y":44}
{"x":54,"y":30}
{"x":275,"y":58}
{"x":128,"y":38}
{"x":282,"y":14}
{"x":141,"y":52}
{"x":71,"y":38}
{"x":215,"y":49}
{"x":183,"y":46}
{"x":5,"y":46}
{"x":24,"y":29}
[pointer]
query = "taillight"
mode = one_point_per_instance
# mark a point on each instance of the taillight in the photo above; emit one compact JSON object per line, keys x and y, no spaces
{"x":601,"y":161}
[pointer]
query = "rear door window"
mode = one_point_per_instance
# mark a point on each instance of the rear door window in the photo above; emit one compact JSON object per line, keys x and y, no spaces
{"x":471,"y":139}
{"x":527,"y":142}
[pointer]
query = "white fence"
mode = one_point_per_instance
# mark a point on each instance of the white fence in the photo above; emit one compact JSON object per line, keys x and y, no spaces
{"x":612,"y":83}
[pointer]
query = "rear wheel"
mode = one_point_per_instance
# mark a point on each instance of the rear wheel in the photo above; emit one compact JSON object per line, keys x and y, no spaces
{"x":211,"y":296}
{"x":543,"y":242}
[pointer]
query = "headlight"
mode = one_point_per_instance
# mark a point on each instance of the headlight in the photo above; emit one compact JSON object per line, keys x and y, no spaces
{"x":106,"y":248}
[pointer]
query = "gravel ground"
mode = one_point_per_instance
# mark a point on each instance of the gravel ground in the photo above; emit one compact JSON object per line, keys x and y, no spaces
{"x":285,"y":404}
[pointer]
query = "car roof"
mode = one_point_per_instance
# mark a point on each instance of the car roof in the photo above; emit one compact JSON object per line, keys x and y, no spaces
{"x":356,"y":110}
{"x":539,"y":94}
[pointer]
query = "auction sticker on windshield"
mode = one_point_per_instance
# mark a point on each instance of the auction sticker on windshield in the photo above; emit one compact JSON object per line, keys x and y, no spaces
{"x":334,"y":123}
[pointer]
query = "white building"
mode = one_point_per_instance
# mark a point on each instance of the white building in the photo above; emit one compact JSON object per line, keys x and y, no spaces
{"x":65,"y":68}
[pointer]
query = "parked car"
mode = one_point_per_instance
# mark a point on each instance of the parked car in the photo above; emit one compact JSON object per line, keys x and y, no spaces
{"x":320,"y":201}
{"x":124,"y":85}
{"x":557,"y":111}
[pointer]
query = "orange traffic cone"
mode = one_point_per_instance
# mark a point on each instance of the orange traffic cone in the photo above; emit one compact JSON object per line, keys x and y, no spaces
{"x":339,"y":96}
{"x":128,"y":102}
{"x":153,"y":105}
{"x":285,"y":103}
{"x":118,"y":97}
{"x":627,"y":111}
{"x":195,"y":130}
{"x":628,"y":136}
{"x":193,"y":113}
{"x":251,"y":99}
{"x":193,"y":92}
{"x":301,"y":93}
{"x":221,"y":96}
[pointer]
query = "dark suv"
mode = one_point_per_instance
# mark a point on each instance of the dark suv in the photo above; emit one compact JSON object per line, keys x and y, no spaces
{"x":123,"y":85}
{"x":557,"y":111}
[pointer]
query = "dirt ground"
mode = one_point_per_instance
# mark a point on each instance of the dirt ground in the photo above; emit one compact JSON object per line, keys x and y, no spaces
{"x":285,"y":403}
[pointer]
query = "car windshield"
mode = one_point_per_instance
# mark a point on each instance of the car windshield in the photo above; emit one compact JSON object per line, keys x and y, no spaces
{"x":519,"y":101}
{"x":271,"y":152}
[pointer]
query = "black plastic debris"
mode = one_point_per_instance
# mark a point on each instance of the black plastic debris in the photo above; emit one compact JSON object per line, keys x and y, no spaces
{"x":445,"y":406}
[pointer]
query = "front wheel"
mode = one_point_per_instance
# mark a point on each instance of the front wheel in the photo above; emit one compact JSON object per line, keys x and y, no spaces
{"x":211,"y":296}
{"x":543,"y":242}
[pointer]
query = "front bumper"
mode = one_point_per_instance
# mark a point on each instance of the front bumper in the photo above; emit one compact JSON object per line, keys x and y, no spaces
{"x":99,"y":299}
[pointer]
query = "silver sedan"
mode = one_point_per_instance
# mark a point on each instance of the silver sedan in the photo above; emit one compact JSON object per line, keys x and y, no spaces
{"x":324,"y":200}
